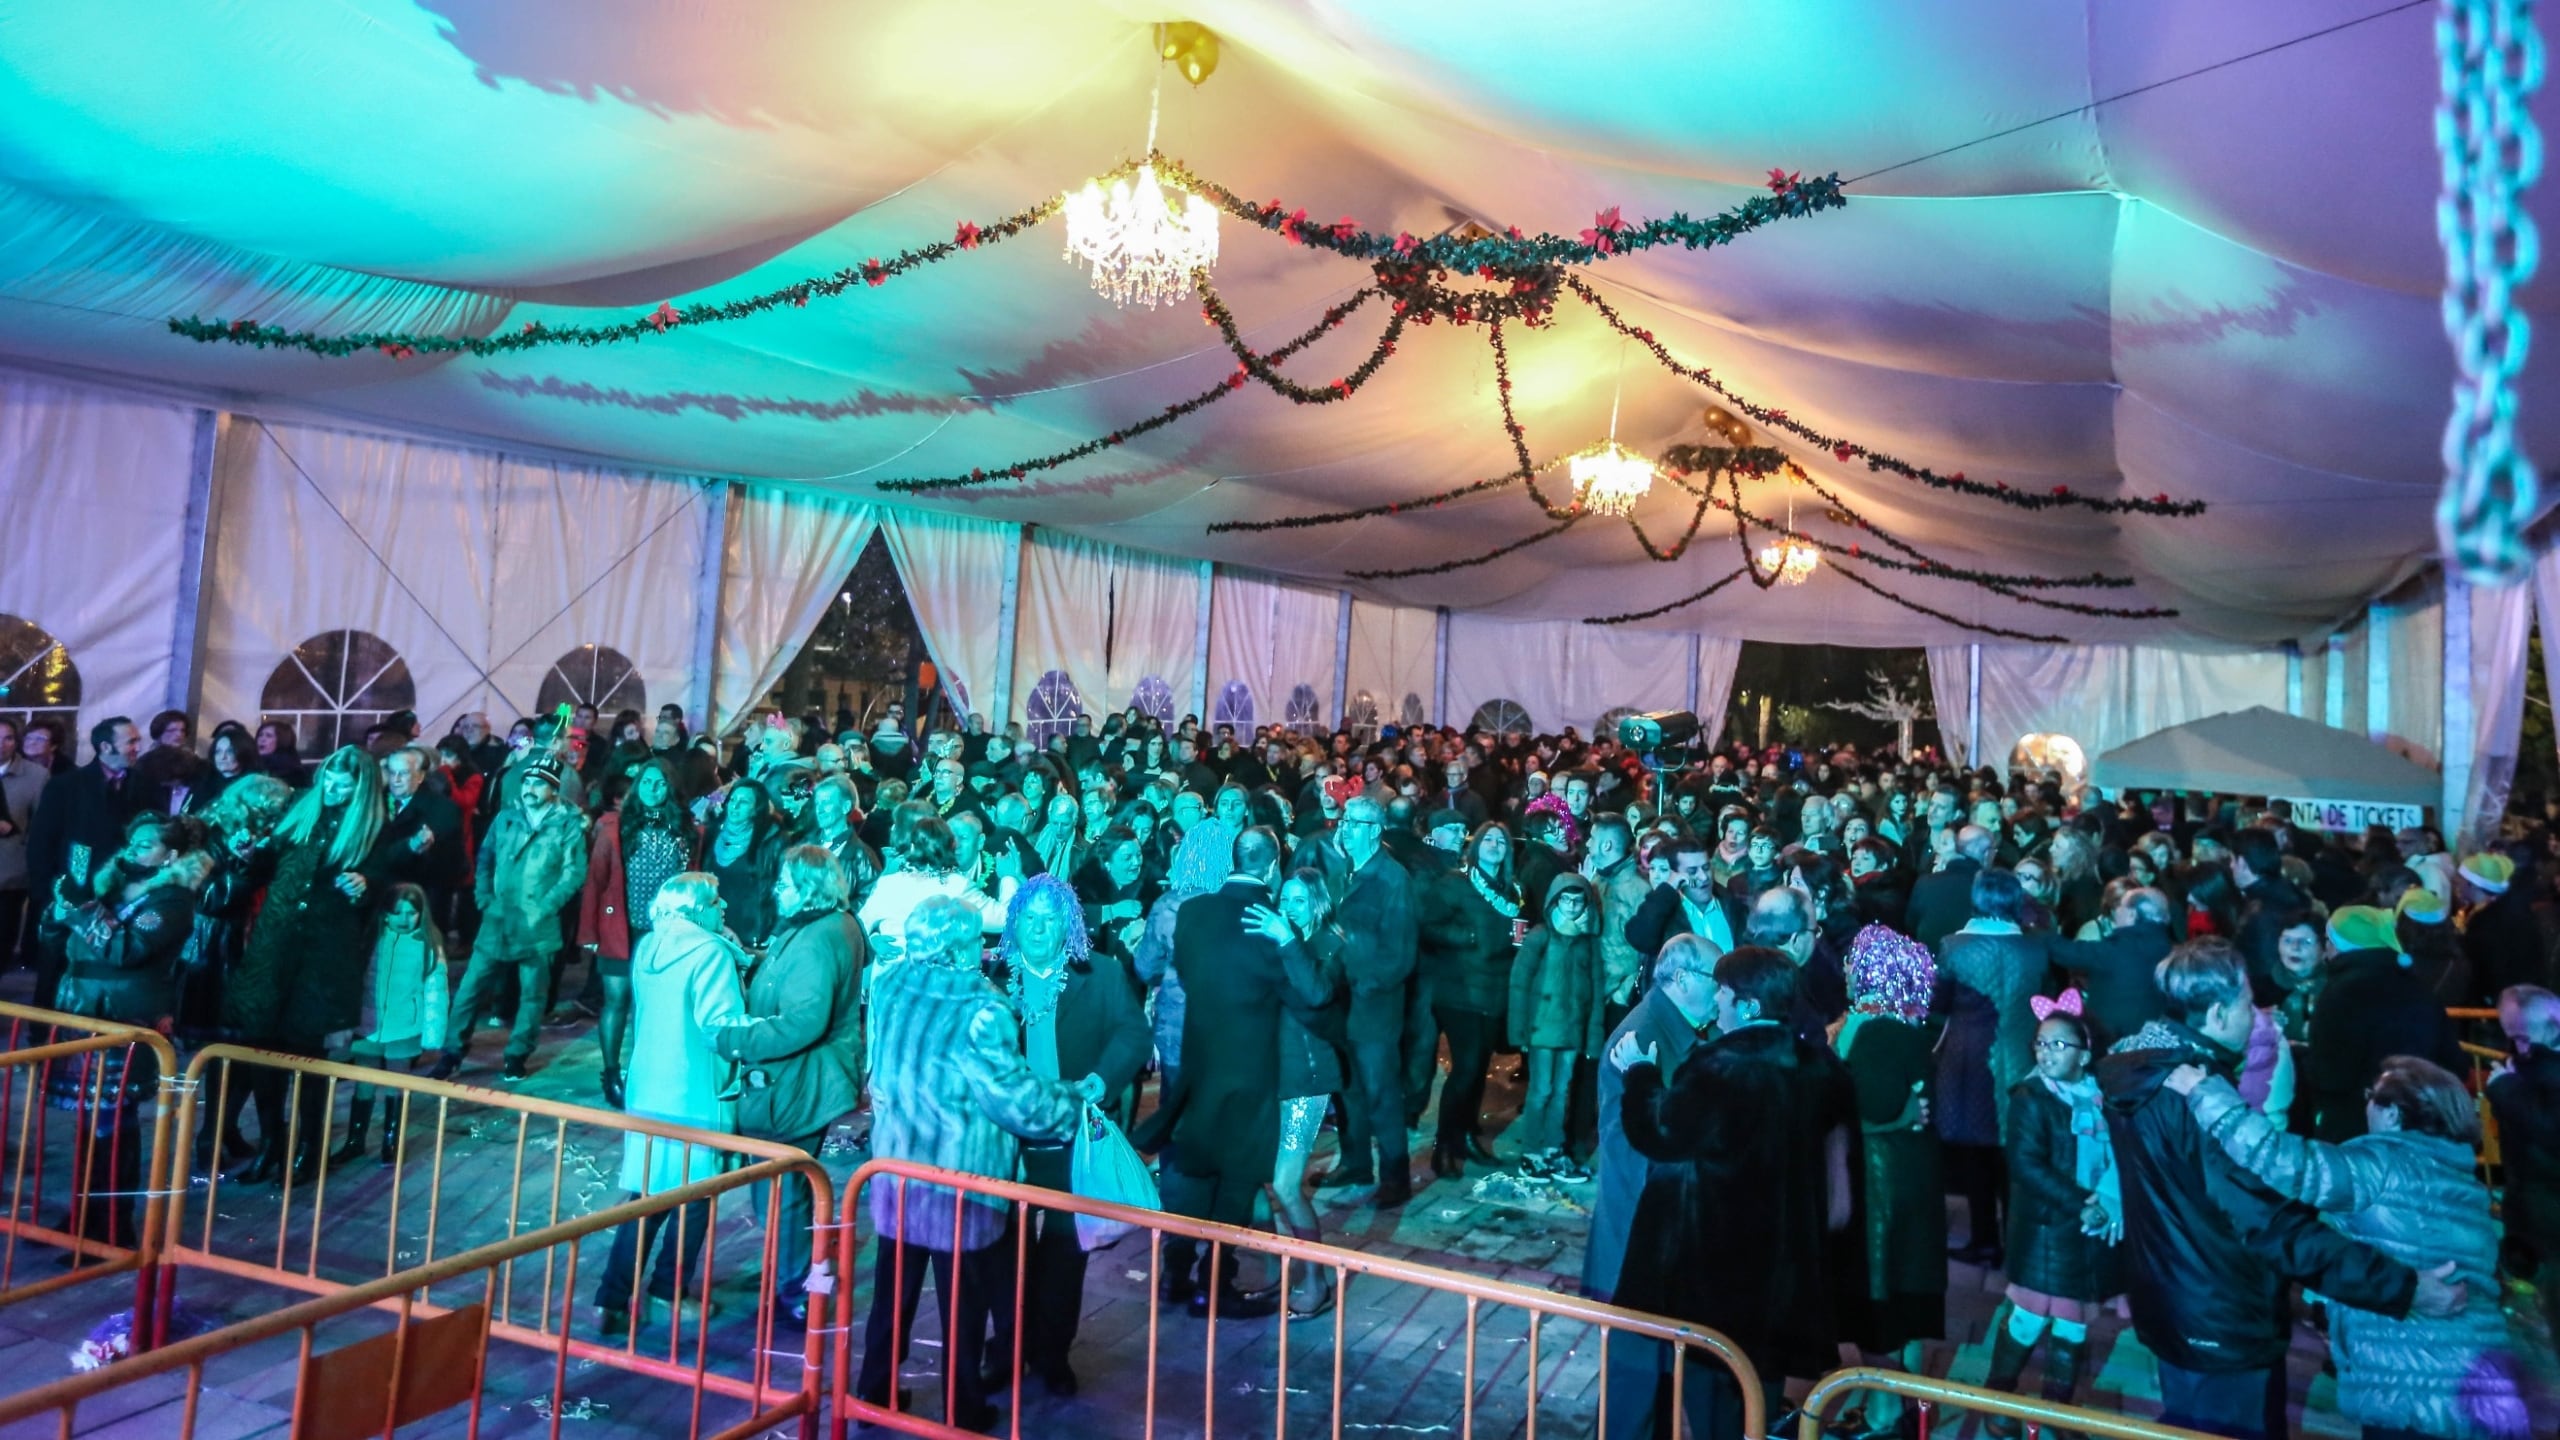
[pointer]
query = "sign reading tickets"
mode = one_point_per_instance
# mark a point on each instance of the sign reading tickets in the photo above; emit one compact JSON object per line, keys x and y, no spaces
{"x":2354,"y":815}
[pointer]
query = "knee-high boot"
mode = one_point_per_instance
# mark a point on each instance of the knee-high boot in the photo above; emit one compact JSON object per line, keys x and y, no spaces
{"x":2008,"y":1362}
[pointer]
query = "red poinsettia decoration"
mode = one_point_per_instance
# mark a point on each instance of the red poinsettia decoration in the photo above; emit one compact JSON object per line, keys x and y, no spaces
{"x":1405,"y":243}
{"x":1782,"y":181}
{"x":664,"y":316}
{"x":1844,"y":452}
{"x":966,"y":237}
{"x":1602,"y":236}
{"x":873,"y":273}
{"x":1345,"y":228}
{"x":1290,"y":223}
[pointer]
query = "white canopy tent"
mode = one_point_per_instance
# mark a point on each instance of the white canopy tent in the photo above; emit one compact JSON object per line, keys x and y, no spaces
{"x":2259,"y":751}
{"x":2079,"y":250}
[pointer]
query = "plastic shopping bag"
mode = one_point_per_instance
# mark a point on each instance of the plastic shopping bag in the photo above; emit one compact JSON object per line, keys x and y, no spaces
{"x":1107,"y":1167}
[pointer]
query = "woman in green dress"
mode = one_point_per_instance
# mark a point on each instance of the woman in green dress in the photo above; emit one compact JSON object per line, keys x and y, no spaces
{"x":1888,"y":1044}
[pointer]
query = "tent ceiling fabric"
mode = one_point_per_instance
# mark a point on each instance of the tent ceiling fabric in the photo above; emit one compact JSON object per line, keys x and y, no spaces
{"x":2224,"y":288}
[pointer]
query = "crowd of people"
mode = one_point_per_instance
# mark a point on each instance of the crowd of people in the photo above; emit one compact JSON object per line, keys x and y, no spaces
{"x":2178,"y":1057}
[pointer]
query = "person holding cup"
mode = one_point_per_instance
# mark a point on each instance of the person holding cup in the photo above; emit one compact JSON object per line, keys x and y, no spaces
{"x":1472,"y":924}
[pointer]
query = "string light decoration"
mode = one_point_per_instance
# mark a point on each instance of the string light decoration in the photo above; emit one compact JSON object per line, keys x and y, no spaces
{"x":1141,"y":241}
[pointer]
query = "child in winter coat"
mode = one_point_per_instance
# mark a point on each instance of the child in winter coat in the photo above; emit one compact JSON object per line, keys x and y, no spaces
{"x":404,"y":1012}
{"x":2408,"y":1188}
{"x":2066,"y":1213}
{"x":1554,"y":1018}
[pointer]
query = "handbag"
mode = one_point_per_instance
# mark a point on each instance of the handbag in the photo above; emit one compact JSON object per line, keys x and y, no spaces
{"x":1107,"y":1167}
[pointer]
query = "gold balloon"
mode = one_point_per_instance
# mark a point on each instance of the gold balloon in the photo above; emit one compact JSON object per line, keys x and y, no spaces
{"x":1727,"y":426}
{"x":1191,"y":46}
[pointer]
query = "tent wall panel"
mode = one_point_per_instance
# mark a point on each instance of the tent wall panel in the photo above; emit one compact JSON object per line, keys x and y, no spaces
{"x":1155,"y":624}
{"x":1066,"y":608}
{"x":2105,"y":695}
{"x":95,"y":485}
{"x":1273,"y":637}
{"x":953,"y":569}
{"x":788,"y":554}
{"x":480,"y":570}
{"x":1392,"y":653}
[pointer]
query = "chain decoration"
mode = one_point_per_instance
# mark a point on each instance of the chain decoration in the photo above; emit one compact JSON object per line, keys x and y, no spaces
{"x":1214,"y":311}
{"x":1692,"y":598}
{"x":1846,"y":451}
{"x":1177,"y":410}
{"x":1446,"y":566}
{"x":2490,"y":62}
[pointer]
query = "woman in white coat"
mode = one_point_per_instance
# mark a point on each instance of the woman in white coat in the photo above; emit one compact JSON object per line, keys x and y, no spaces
{"x":684,"y":990}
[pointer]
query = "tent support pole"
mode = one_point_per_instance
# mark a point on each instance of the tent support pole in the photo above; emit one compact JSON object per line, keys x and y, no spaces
{"x":1008,"y":612}
{"x":1200,"y":642}
{"x":195,"y":550}
{"x":1697,"y":663}
{"x":1440,"y":666}
{"x":2292,"y":678}
{"x":710,"y":578}
{"x":1342,"y":662}
{"x":2335,"y":702}
{"x":2377,"y":674}
{"x":2460,"y":733}
{"x":1973,"y":705}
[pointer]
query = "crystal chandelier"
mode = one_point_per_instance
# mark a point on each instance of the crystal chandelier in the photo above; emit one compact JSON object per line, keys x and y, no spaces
{"x":1789,"y":561}
{"x":1142,"y":238}
{"x":1610,"y":479}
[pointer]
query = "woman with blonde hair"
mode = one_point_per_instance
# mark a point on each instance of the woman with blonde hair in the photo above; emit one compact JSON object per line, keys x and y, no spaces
{"x":301,"y":979}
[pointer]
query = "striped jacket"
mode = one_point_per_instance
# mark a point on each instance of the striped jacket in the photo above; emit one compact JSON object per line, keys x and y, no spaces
{"x":950,"y":1088}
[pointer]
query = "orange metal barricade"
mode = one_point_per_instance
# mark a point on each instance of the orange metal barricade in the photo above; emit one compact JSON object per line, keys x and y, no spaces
{"x":2042,"y":1418}
{"x":441,"y":1194}
{"x":71,"y":1097}
{"x":1481,"y":1409}
{"x":404,"y":1384}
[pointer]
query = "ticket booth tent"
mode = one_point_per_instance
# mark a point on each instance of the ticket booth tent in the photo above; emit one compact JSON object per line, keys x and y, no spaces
{"x":2259,"y":751}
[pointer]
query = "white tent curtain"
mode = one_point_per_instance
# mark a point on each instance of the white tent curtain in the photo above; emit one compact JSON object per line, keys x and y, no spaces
{"x":2546,"y":604}
{"x":1272,"y":637}
{"x":1563,"y":672}
{"x":94,"y":485}
{"x":324,"y":531}
{"x":1064,"y":619}
{"x":480,"y":571}
{"x":2105,"y":695}
{"x":2414,"y":632}
{"x":953,"y":569}
{"x":787,"y":557}
{"x":2501,"y":631}
{"x":1951,"y":696}
{"x":1393,"y":652}
{"x":1155,"y":624}
{"x":1717,"y":660}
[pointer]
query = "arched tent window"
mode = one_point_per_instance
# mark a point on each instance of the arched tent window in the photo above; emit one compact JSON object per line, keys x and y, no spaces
{"x":336,"y":685}
{"x":2038,"y":753}
{"x":37,"y":678}
{"x":1502,"y":717}
{"x":1360,"y":717}
{"x":1154,"y":699}
{"x":1412,"y":713}
{"x":1054,"y":708}
{"x":1608,"y":728}
{"x":1234,"y":706}
{"x":597,"y":675}
{"x":1305,"y":715}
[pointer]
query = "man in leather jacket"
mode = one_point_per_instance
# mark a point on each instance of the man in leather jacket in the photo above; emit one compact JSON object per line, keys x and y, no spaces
{"x":2213,"y":1247}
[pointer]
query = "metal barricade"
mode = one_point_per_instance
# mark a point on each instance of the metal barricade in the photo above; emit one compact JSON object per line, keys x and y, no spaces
{"x":418,"y":1367}
{"x":71,"y":1097}
{"x":2043,"y":1418}
{"x":1491,"y":1402}
{"x":2482,"y":1023}
{"x":472,"y":1168}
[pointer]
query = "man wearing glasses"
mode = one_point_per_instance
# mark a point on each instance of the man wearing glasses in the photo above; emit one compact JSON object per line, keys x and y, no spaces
{"x":1376,"y":916}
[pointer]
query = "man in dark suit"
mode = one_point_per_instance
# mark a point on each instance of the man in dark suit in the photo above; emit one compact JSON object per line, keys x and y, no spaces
{"x":1220,"y":1126}
{"x":1690,"y":905}
{"x":1377,"y":920}
{"x":79,"y":822}
{"x":1941,"y":903}
{"x":2114,"y":973}
{"x":424,"y":830}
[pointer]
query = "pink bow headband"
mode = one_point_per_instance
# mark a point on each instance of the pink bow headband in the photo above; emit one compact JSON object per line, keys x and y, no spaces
{"x":2067,"y":1003}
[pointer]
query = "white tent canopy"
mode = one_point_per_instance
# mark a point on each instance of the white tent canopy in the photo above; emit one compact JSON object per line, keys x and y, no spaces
{"x":2221,"y":286}
{"x":2259,"y":751}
